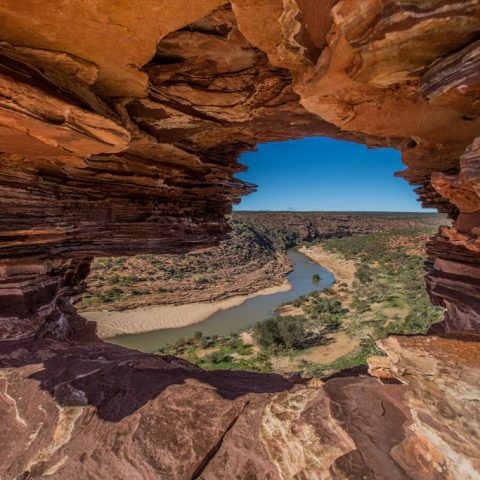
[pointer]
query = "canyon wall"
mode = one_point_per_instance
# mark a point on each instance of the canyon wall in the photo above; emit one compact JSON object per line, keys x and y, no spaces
{"x":120,"y":128}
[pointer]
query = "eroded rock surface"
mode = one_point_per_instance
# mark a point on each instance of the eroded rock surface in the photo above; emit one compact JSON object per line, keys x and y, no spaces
{"x":82,"y":409}
{"x":441,"y":374}
{"x":120,"y":128}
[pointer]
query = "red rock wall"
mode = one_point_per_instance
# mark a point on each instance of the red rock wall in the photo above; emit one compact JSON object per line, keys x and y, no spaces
{"x":84,"y":176}
{"x":88,"y":170}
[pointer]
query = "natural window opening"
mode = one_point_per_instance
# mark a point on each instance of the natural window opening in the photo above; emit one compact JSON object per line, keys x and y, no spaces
{"x":324,"y":259}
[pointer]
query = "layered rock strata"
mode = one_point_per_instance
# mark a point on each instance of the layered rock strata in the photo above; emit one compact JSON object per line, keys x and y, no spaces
{"x":120,"y":128}
{"x":98,"y":147}
{"x":250,"y":259}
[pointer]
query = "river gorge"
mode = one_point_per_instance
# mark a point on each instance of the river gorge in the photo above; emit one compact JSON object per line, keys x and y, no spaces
{"x":225,"y":321}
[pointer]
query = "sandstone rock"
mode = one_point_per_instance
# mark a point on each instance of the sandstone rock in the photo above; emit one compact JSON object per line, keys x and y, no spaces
{"x":118,"y":38}
{"x":443,"y":392}
{"x":379,"y":367}
{"x":80,"y":409}
{"x":120,"y":127}
{"x":35,"y":114}
{"x":454,"y":81}
{"x":463,"y":189}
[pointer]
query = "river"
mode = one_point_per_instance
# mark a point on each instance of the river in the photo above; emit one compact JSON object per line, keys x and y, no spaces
{"x":242,"y":316}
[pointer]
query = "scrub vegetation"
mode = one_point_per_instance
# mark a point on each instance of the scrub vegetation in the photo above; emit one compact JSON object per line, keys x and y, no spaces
{"x":325,"y":332}
{"x":246,"y":262}
{"x":252,"y":258}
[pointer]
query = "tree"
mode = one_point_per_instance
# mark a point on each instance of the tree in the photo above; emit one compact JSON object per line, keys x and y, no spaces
{"x":282,"y":332}
{"x":266,"y":333}
{"x":292,"y":331}
{"x":324,"y":313}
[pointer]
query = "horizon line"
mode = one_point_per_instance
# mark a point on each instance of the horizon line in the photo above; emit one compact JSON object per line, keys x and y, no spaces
{"x":339,"y":211}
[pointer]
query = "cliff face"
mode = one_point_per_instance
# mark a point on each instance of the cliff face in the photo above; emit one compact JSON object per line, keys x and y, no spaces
{"x":120,"y":126}
{"x":107,"y":154}
{"x":253,"y":257}
{"x":289,"y":229}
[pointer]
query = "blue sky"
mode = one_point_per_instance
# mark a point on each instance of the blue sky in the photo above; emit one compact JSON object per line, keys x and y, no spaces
{"x":324,"y":174}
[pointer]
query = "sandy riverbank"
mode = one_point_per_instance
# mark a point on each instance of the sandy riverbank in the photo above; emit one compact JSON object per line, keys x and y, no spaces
{"x":148,"y":319}
{"x":343,"y":269}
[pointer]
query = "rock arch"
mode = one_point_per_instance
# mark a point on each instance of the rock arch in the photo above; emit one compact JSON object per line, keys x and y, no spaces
{"x":120,"y":126}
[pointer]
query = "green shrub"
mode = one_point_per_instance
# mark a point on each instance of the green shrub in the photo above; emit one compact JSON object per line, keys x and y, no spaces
{"x":218,"y":357}
{"x":180,"y":343}
{"x":280,"y":333}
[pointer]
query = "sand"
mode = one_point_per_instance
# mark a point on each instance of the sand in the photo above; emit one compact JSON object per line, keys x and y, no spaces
{"x":341,"y":344}
{"x":148,"y":319}
{"x":343,"y":269}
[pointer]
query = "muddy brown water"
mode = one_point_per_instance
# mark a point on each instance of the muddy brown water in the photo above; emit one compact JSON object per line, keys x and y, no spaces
{"x":242,"y":316}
